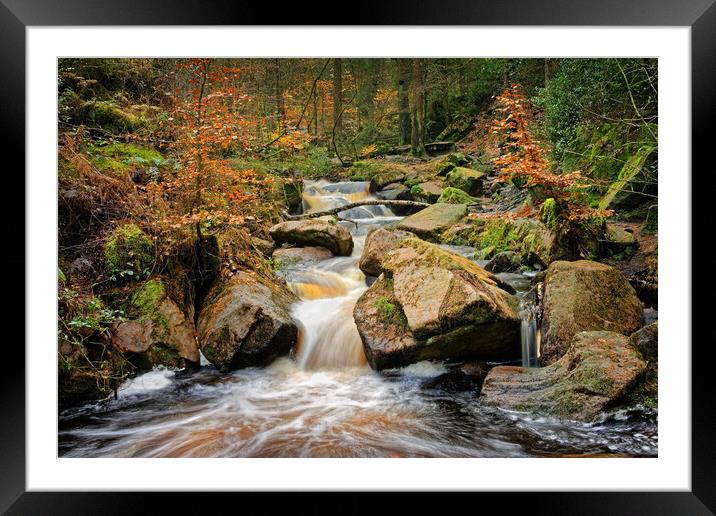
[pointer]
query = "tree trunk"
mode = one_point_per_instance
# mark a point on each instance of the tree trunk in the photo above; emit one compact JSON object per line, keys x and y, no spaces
{"x":280,"y":106}
{"x":404,"y":100}
{"x":417,"y":109}
{"x":337,"y":94}
{"x":550,"y":68}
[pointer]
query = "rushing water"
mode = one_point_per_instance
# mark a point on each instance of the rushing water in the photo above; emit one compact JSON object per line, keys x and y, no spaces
{"x":325,"y":401}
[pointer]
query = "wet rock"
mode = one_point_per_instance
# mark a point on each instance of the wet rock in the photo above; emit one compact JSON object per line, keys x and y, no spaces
{"x":466,"y":179}
{"x":431,"y":304}
{"x":468,"y":377}
{"x":429,"y":223}
{"x":377,"y":244}
{"x":304,"y":256}
{"x":246,"y":321}
{"x":506,"y":261}
{"x":585,"y":296}
{"x":314,"y":232}
{"x":646,"y":342}
{"x":597,"y":372}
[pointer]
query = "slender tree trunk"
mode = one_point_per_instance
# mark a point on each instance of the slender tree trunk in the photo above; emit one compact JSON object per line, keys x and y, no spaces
{"x":280,"y":106}
{"x":417,"y":109}
{"x":337,"y":93}
{"x":404,"y":100}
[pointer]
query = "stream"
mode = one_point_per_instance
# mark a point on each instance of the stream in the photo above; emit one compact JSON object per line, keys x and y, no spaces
{"x":325,"y":401}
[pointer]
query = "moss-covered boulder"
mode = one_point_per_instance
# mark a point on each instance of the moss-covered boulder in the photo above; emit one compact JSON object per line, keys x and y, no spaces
{"x":466,"y":179}
{"x":429,"y":191}
{"x":128,"y":253}
{"x":452,"y":195}
{"x":394,"y":192}
{"x":377,"y":244}
{"x":597,"y":372}
{"x":110,"y":117}
{"x":585,"y":296}
{"x":431,"y":222}
{"x":433,"y":304}
{"x":246,"y":321}
{"x":532,"y":242}
{"x":160,"y":331}
{"x":314,"y":233}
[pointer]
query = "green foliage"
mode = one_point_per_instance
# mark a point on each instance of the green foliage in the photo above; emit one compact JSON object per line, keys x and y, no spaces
{"x":129,"y":253}
{"x":390,"y":313}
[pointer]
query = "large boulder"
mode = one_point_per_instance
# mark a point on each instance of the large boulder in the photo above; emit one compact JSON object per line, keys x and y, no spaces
{"x":429,"y":223}
{"x":466,"y":179}
{"x":585,"y":296}
{"x":377,"y":244}
{"x":314,"y":232}
{"x":598,"y":372}
{"x":161,"y":333}
{"x":245,"y":321}
{"x":431,"y":304}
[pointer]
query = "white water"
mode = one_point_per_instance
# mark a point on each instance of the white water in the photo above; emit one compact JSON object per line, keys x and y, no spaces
{"x":325,"y":401}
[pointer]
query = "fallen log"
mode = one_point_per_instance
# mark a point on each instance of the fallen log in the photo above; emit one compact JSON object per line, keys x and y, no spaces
{"x":335,"y":211}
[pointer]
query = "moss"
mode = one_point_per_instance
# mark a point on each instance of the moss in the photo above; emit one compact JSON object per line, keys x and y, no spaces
{"x":390,"y":313}
{"x":465,"y":179}
{"x":111,"y":117}
{"x":452,"y":195}
{"x":146,"y":302}
{"x":548,"y":214}
{"x":118,"y":159}
{"x":128,"y":252}
{"x":416,"y":191}
{"x":629,"y":171}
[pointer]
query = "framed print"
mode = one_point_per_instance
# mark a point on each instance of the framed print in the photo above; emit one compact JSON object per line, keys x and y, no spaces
{"x":418,"y":253}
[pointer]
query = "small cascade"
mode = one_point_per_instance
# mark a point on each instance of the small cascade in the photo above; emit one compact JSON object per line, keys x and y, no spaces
{"x":530,"y":334}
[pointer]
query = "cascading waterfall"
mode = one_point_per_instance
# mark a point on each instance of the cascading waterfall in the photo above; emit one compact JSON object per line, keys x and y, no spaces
{"x":328,"y":337}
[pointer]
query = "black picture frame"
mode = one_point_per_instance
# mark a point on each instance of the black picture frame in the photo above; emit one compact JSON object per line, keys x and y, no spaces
{"x":699,"y":15}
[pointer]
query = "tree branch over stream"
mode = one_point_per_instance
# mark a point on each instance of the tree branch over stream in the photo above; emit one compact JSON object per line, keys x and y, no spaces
{"x":335,"y":211}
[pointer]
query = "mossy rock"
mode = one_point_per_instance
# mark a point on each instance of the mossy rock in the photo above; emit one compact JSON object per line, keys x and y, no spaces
{"x":129,"y":253}
{"x":455,"y":196}
{"x":597,"y":373}
{"x":429,"y":191}
{"x":466,"y":179}
{"x":110,"y":117}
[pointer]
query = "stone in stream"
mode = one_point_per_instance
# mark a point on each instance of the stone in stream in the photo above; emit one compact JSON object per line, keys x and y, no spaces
{"x":585,"y":296}
{"x":598,"y":371}
{"x":314,"y":232}
{"x":394,"y":192}
{"x":245,"y":321}
{"x":303,"y":256}
{"x":431,"y":304}
{"x":429,"y":223}
{"x":378,"y":243}
{"x":506,"y":261}
{"x":161,"y":334}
